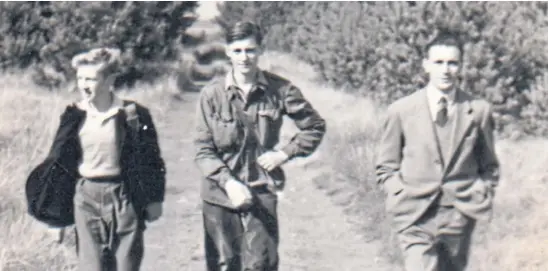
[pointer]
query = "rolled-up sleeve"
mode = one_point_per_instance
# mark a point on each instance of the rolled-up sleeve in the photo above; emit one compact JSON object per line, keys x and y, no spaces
{"x":311,"y":125}
{"x":206,"y":154}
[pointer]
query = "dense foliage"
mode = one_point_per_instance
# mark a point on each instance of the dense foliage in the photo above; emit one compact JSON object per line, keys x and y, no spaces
{"x":45,"y":35}
{"x":376,"y":48}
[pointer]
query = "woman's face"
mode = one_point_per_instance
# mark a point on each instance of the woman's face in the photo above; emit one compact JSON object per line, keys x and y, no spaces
{"x":91,"y":82}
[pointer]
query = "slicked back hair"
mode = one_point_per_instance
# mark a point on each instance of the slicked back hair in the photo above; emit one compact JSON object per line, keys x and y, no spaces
{"x":243,"y":30}
{"x":446,"y":39}
{"x":106,"y":58}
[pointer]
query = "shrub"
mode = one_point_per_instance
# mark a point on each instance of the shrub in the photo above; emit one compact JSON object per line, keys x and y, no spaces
{"x":275,"y":19}
{"x":375,"y":48}
{"x":50,"y":33}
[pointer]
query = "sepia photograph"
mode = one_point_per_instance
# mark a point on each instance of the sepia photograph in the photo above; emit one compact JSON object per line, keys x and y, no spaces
{"x":273,"y":136}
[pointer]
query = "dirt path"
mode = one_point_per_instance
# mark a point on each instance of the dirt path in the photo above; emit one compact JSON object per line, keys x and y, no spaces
{"x":314,"y":232}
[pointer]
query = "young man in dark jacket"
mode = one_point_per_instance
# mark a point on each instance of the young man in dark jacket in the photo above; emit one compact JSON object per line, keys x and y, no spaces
{"x":106,"y":160}
{"x":239,"y":120}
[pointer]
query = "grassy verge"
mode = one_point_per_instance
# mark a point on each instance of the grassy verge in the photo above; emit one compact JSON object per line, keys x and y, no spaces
{"x":516,"y":238}
{"x":30,"y":117}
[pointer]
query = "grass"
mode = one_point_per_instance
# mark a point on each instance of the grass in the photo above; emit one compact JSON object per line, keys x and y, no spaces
{"x":516,"y":239}
{"x":29,"y":118}
{"x":28,"y":121}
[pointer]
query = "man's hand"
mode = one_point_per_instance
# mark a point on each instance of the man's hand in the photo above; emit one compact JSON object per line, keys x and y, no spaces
{"x":272,"y":159}
{"x":153,"y":211}
{"x":238,"y":193}
{"x":491,"y":187}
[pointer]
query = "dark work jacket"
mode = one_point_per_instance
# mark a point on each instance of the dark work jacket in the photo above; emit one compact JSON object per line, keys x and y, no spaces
{"x":50,"y":187}
{"x":225,"y":150}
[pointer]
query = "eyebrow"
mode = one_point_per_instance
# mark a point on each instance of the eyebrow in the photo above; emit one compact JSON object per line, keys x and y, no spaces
{"x":86,"y":76}
{"x":443,"y":60}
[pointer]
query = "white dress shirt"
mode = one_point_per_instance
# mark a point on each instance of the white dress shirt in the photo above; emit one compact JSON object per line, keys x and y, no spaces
{"x":434,"y":95}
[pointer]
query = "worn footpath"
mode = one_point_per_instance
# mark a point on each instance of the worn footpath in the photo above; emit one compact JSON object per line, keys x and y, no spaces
{"x":315,"y":234}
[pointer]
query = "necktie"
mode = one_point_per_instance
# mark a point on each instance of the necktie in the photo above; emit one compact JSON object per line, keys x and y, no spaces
{"x":441,"y":116}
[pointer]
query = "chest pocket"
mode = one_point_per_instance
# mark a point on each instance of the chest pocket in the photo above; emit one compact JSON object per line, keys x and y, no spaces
{"x":269,"y":120}
{"x":270,"y":108}
{"x":226,"y":130}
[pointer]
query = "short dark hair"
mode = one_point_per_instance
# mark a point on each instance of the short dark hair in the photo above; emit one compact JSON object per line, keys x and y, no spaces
{"x":444,"y":38}
{"x":243,"y":30}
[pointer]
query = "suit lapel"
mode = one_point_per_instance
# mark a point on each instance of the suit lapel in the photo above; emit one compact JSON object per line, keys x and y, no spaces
{"x":463,"y":121}
{"x":425,"y":120}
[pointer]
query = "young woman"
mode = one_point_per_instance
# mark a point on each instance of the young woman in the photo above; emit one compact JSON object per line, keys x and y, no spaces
{"x":107,"y":147}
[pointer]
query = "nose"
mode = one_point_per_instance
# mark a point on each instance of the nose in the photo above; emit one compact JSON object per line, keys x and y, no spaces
{"x":446,"y":68}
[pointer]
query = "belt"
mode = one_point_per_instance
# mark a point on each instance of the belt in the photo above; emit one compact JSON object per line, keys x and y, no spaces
{"x":105,"y":179}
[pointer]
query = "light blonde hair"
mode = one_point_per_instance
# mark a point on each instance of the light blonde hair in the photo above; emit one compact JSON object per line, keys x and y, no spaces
{"x":108,"y":60}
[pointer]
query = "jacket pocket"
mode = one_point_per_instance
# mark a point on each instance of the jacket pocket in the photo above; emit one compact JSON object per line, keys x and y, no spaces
{"x":226,"y":132}
{"x":269,"y":124}
{"x":394,"y":189}
{"x":393,"y":185}
{"x":479,"y":191}
{"x":271,"y":114}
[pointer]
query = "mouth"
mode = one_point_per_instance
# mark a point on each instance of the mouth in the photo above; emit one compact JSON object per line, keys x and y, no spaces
{"x":87,"y":91}
{"x":446,"y":80}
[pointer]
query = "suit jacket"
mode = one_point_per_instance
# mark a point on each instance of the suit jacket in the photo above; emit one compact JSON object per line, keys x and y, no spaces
{"x":409,"y":161}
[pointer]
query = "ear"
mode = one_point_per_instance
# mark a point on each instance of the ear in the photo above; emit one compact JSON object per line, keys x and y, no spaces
{"x":426,"y":65}
{"x":227,"y":51}
{"x":73,"y":87}
{"x":109,"y":80}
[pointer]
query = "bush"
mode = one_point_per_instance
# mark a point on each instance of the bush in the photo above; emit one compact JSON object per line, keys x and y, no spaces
{"x":275,"y":19}
{"x":375,"y":48}
{"x":50,"y":33}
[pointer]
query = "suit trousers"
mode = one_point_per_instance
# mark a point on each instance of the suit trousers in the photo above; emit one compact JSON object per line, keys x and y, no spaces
{"x":107,"y":228}
{"x":438,"y":241}
{"x":242,"y":240}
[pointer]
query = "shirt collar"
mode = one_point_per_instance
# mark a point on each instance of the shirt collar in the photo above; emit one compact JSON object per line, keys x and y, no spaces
{"x":230,"y":82}
{"x":117,"y":104}
{"x":435,"y":95}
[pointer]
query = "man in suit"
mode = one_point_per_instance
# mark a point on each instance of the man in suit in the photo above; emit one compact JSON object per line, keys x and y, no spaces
{"x":437,"y":164}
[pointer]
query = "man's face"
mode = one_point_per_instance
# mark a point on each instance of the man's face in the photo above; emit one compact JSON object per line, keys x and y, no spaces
{"x":90,"y":82}
{"x":443,"y":66}
{"x":244,"y":55}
